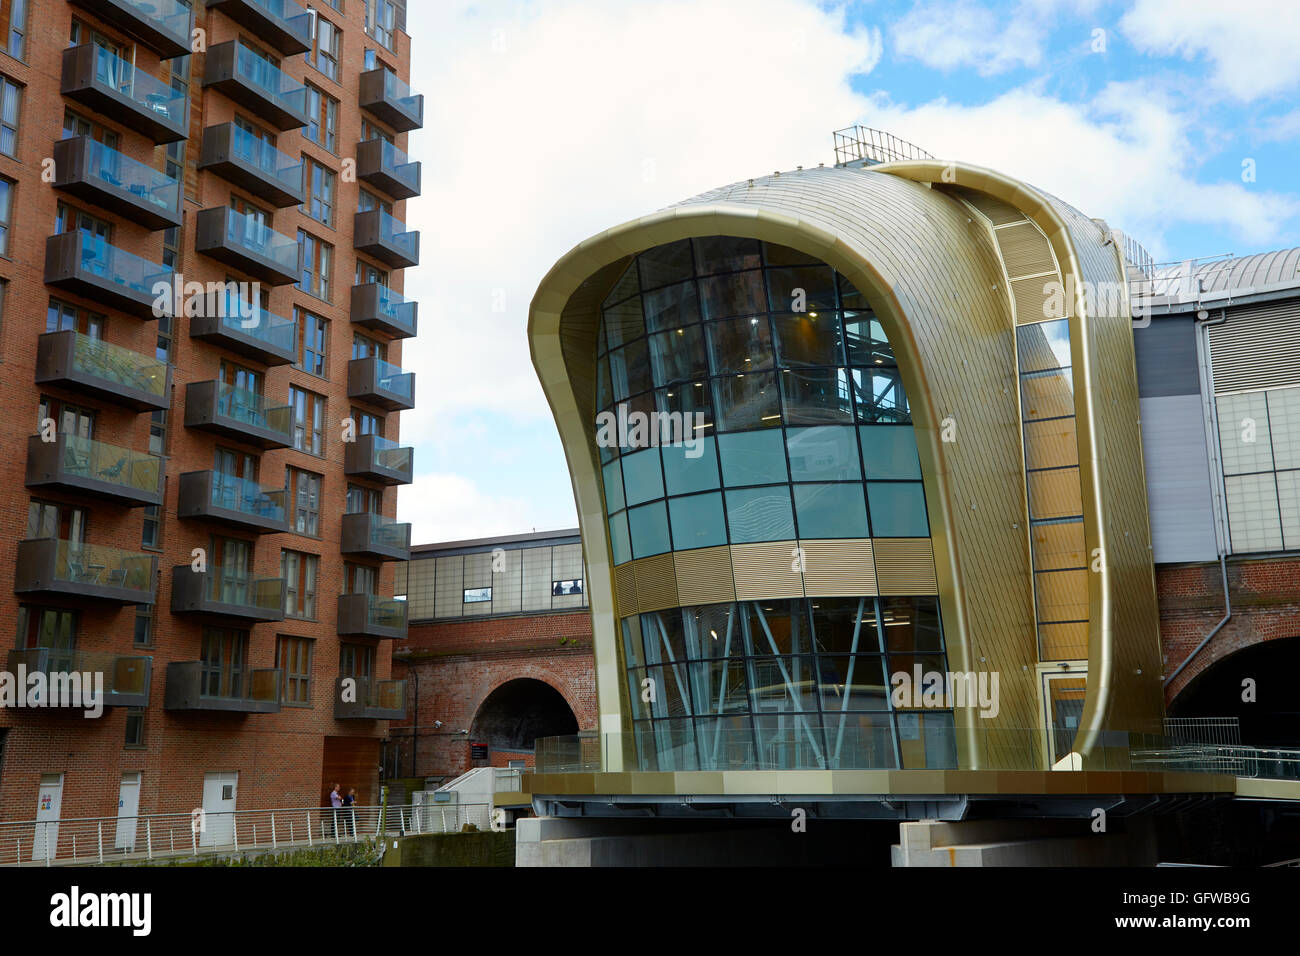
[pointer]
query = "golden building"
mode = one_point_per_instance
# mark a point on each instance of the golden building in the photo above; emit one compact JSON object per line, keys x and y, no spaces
{"x":835,"y":433}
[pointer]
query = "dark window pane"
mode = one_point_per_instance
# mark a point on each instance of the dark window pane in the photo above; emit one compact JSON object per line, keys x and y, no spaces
{"x":816,"y":396}
{"x":623,"y":323}
{"x":865,"y":339}
{"x":878,"y":395}
{"x":741,"y":345}
{"x":678,"y":355}
{"x":725,"y":254}
{"x":747,"y":401}
{"x":688,"y":400}
{"x":665,"y":264}
{"x":807,"y":339}
{"x":671,"y":307}
{"x":813,"y":286}
{"x":778,"y":255}
{"x":740,"y":293}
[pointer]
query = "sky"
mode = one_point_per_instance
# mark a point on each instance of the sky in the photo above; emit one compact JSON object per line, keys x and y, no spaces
{"x":547,"y":121}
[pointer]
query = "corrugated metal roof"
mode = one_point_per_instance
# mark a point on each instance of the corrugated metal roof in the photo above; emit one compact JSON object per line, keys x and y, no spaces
{"x":1261,"y":270}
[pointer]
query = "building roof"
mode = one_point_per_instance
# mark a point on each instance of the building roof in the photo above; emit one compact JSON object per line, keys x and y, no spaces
{"x":1265,"y":274}
{"x":510,"y":542}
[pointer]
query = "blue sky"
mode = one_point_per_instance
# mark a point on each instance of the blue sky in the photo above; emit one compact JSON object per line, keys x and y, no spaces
{"x":550,"y":120}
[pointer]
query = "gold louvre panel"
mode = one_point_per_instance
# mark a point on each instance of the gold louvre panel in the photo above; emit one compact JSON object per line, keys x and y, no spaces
{"x":1062,"y":595}
{"x":905,"y":566}
{"x":1051,"y":444}
{"x":625,"y":590}
{"x":838,"y":567}
{"x":1032,"y":299}
{"x":768,"y":570}
{"x":656,"y":583}
{"x":1055,"y":493}
{"x":704,"y":576}
{"x":998,"y":212}
{"x":1025,"y":251}
{"x":1059,"y":546}
{"x":1063,"y":642}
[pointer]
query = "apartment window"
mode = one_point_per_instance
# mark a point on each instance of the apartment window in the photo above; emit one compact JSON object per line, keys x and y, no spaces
{"x":319,"y":187}
{"x":356,"y":660}
{"x":317,"y":259}
{"x":74,"y":124}
{"x":50,"y":629}
{"x":299,"y":573}
{"x":223,"y":662}
{"x":63,"y":317}
{"x":151,"y":533}
{"x":366,"y":274}
{"x":325,"y":53}
{"x":68,"y":217}
{"x":134,"y":728}
{"x":11,"y":98}
{"x":366,"y":347}
{"x":323,"y":119}
{"x":359,"y":579}
{"x":16,"y":41}
{"x":49,"y":519}
{"x":237,"y":376}
{"x":362,"y":500}
{"x":313,"y":333}
{"x":143,"y":626}
{"x":83,"y":33}
{"x":304,"y":490}
{"x":308,"y":420}
{"x":369,"y":201}
{"x":371,"y":63}
{"x":367,"y":422}
{"x":293,"y":657}
{"x":69,"y":419}
{"x":7,"y":186}
{"x":381,"y":21}
{"x":158,"y":432}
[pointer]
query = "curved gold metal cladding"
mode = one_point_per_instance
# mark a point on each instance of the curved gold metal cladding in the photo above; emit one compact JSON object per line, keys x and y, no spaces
{"x":1123,"y":690}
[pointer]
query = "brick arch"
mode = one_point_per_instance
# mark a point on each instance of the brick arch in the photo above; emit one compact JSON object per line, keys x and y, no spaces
{"x":490,"y":684}
{"x":1251,"y":629}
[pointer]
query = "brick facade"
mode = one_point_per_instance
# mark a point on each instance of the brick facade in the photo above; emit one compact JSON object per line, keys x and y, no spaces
{"x":458,"y":664}
{"x":278,"y":756}
{"x":1265,"y":597}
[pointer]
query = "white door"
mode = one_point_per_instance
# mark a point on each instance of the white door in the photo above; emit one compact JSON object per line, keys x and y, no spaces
{"x":128,"y":810}
{"x":45,"y":845}
{"x":219,"y":791}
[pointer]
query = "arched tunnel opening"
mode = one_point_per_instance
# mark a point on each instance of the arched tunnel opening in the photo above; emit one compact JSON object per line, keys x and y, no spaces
{"x":519,"y":711}
{"x":1273,"y":718}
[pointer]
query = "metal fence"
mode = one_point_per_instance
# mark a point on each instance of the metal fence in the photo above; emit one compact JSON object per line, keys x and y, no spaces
{"x":103,"y":840}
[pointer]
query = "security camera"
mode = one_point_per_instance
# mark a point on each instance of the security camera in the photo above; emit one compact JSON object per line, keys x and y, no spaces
{"x":437,"y":724}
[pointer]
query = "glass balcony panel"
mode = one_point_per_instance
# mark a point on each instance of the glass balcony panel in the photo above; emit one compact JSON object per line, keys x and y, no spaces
{"x":394,"y":232}
{"x":171,"y":15}
{"x":120,"y":366}
{"x":399,"y":92}
{"x":97,"y":565}
{"x":385,"y":532}
{"x":389,"y":454}
{"x":248,"y":497}
{"x":119,"y":171}
{"x":121,"y":267}
{"x":252,"y":320}
{"x":238,"y":586}
{"x":258,"y":152}
{"x":252,"y":233}
{"x":251,"y":408}
{"x":146,"y":90}
{"x":86,"y":458}
{"x":278,"y":87}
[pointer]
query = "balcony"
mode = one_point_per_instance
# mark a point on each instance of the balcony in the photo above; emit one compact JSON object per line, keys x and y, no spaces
{"x":377,"y":537}
{"x":374,"y":699}
{"x":369,"y":615}
{"x":384,"y":166}
{"x":239,"y":157}
{"x":107,"y":372}
{"x":379,"y":383}
{"x":88,"y":266}
{"x":245,"y":242}
{"x":162,"y":25}
{"x":82,"y":466}
{"x":379,"y":308}
{"x":93,"y":172}
{"x":391,"y":101}
{"x":126,"y":679}
{"x":114,"y":88}
{"x":387,"y":239}
{"x":245,"y":504}
{"x":378,"y":459}
{"x":245,"y":328}
{"x":255,"y":83}
{"x":253,"y":692}
{"x":238,"y":414}
{"x":281,"y":23}
{"x":235,"y":595}
{"x":61,"y":570}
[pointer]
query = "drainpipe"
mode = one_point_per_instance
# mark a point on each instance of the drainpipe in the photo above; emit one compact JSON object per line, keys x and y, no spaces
{"x":1208,"y":380}
{"x":415,"y":724}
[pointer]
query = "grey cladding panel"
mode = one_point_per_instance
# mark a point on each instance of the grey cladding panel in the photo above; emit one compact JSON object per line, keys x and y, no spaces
{"x":1178,"y":479}
{"x":1166,"y":357}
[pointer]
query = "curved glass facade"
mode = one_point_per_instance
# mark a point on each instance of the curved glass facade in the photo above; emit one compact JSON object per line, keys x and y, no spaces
{"x":791,"y":684}
{"x":796,"y":422}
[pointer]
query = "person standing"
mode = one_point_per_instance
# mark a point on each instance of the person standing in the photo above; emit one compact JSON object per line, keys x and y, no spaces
{"x":350,"y":813}
{"x":336,"y":802}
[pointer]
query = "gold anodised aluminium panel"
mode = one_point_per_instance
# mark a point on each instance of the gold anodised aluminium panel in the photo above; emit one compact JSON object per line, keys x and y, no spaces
{"x":842,"y":566}
{"x":1033,"y":302}
{"x":766,"y":571}
{"x":904,"y":566}
{"x":656,"y":583}
{"x":625,"y":590}
{"x":704,"y":576}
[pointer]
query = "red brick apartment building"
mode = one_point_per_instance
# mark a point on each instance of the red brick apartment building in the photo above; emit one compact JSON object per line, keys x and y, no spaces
{"x":498,"y":653}
{"x":196,"y":521}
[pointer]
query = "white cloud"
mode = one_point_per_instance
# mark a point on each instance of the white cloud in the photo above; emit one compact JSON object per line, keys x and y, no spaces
{"x":964,"y":33}
{"x":1253,"y":45}
{"x":448,"y":507}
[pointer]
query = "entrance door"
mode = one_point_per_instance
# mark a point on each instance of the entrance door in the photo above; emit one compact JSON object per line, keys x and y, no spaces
{"x":45,"y":846}
{"x":1063,"y":702}
{"x":218,"y":808}
{"x":128,"y":810}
